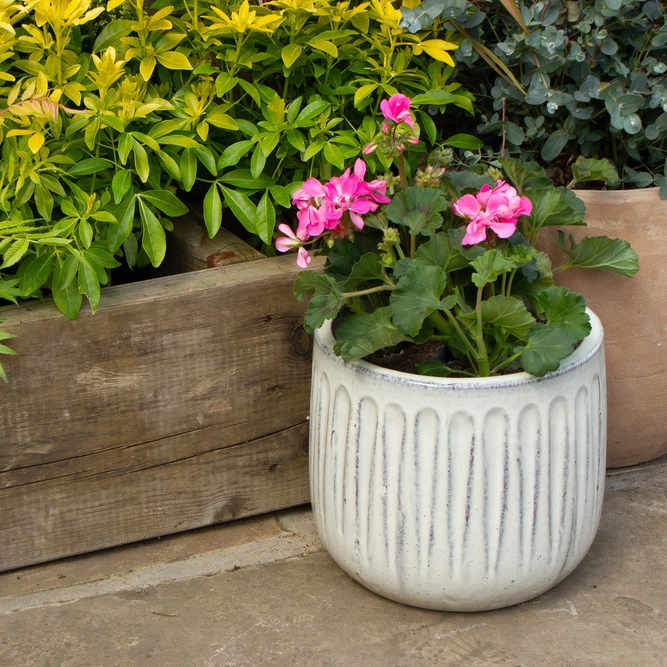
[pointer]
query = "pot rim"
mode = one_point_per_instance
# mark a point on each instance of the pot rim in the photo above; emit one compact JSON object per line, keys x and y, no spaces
{"x":588,"y":348}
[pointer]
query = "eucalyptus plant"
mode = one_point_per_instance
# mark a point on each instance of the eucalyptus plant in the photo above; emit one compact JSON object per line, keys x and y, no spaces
{"x":565,"y":78}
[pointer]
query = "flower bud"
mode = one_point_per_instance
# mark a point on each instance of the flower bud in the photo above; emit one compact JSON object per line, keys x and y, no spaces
{"x":386,"y":128}
{"x":392,"y":236}
{"x":370,"y":148}
{"x":412,"y":139}
{"x":388,"y":260}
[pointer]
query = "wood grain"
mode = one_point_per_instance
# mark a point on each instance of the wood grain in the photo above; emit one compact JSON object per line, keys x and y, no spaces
{"x":149,"y":490}
{"x":139,"y":400}
{"x":190,"y":248}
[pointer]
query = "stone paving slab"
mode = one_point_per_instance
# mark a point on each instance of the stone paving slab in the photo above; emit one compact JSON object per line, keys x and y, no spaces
{"x":262,"y":592}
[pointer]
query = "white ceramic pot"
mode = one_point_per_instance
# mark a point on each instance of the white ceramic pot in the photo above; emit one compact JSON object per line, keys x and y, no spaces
{"x":457,"y":494}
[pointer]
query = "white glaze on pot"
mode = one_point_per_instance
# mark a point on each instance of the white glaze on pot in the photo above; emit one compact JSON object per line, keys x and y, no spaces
{"x":464,"y":494}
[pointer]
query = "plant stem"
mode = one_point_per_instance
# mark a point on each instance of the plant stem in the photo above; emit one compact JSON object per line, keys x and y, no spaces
{"x":482,"y":355}
{"x":370,"y":290}
{"x":504,"y":363}
{"x":401,"y":172}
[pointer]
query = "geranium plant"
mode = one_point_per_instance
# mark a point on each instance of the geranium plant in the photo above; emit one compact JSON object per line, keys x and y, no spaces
{"x":450,"y":258}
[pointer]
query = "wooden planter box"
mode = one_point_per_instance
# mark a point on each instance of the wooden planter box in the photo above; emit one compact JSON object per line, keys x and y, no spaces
{"x":181,"y":403}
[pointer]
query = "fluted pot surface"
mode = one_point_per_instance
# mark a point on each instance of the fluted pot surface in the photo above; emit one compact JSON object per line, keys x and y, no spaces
{"x":457,"y":494}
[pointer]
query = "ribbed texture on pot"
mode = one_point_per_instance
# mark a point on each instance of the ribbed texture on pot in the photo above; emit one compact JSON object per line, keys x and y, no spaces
{"x":460,"y":501}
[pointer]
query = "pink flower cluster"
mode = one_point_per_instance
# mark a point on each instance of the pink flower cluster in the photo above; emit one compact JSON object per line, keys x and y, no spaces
{"x":493,"y":208}
{"x":323,"y":207}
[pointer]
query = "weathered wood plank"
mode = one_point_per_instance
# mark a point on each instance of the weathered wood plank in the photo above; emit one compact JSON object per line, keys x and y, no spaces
{"x":159,"y":358}
{"x":181,"y":402}
{"x":190,"y":248}
{"x":134,"y":494}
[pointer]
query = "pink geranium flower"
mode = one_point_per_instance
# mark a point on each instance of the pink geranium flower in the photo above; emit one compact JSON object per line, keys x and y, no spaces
{"x":292,"y":240}
{"x":397,"y":108}
{"x":494,"y":208}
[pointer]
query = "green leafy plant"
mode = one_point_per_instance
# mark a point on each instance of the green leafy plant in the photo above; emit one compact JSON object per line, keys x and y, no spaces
{"x":409,"y":272}
{"x":558,"y":80}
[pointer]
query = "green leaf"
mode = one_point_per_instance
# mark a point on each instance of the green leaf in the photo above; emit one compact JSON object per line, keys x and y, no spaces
{"x":43,"y":201}
{"x":243,"y":178}
{"x":554,"y":145}
{"x":589,"y":169}
{"x":266,"y":218}
{"x":141,"y":164}
{"x":324,"y":45}
{"x":154,"y":240}
{"x":566,"y":310}
{"x":257,"y":162}
{"x":297,"y":140}
{"x":547,"y":346}
{"x":170,"y":165}
{"x":111,"y":35}
{"x":173,"y":60}
{"x":334,"y":156}
{"x":433,"y":369}
{"x":552,"y":207}
{"x":242,"y":208}
{"x":346,"y":253}
{"x":311,"y":111}
{"x":434,"y":97}
{"x":488,"y":267}
{"x":97,"y":254}
{"x":465,"y":141}
{"x":124,"y":147}
{"x":165,"y":201}
{"x":362,"y":334}
{"x":290,"y":53}
{"x":89,"y":283}
{"x":312,"y":150}
{"x":206,"y":158}
{"x":269,"y":142}
{"x":125,"y":216}
{"x":68,"y":299}
{"x":232,"y":154}
{"x":281,"y":195}
{"x":37,"y":273}
{"x":15,"y":253}
{"x":362,"y":93}
{"x":440,"y":251}
{"x":418,"y":208}
{"x":251,"y":90}
{"x":367,"y":270}
{"x":428,"y":126}
{"x":64,"y":272}
{"x":212,"y":210}
{"x":520,"y":173}
{"x":601,"y":252}
{"x":417,"y":295}
{"x":92,"y":165}
{"x":224,"y":83}
{"x":219,"y":118}
{"x":188,"y":168}
{"x":120,"y":184}
{"x":304,"y":285}
{"x":324,"y":304}
{"x":509,"y":314}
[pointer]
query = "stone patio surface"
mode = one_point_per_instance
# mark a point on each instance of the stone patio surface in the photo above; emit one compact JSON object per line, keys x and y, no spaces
{"x":263,"y":592}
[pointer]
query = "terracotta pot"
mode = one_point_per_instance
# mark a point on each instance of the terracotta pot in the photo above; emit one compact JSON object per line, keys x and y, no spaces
{"x":457,"y":494}
{"x":634,"y":314}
